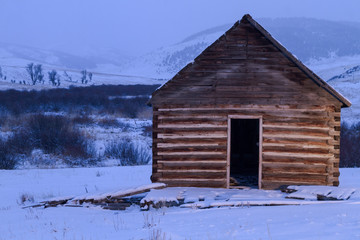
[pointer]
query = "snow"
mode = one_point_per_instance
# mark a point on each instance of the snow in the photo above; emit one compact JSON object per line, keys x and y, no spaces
{"x":44,"y":184}
{"x":324,"y":220}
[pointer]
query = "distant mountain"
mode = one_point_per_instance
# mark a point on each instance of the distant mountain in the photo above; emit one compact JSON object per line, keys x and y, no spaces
{"x":15,"y":54}
{"x":350,"y":73}
{"x":14,"y":59}
{"x":314,"y":39}
{"x":330,"y":49}
{"x":308,"y":39}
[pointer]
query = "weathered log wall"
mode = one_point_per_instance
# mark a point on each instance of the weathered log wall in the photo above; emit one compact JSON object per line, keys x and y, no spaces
{"x":246,"y":73}
{"x":299,"y":145}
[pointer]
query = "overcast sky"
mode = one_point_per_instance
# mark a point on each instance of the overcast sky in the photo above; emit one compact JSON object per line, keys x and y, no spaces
{"x":138,"y":26}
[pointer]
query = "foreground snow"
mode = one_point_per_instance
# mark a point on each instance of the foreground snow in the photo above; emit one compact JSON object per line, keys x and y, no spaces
{"x":338,"y":220}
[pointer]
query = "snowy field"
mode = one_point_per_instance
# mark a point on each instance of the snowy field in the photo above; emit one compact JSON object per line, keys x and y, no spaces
{"x":337,"y":220}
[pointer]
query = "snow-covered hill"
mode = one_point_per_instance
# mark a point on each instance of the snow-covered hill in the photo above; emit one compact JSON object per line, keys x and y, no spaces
{"x":342,"y":73}
{"x":308,"y":39}
{"x":330,"y":49}
{"x":103,"y":63}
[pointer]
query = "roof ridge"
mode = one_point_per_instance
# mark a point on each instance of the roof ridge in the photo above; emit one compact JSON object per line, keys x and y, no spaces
{"x":310,"y":74}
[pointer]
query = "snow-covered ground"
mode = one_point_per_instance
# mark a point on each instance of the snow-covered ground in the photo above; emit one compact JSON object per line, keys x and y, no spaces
{"x":340,"y":220}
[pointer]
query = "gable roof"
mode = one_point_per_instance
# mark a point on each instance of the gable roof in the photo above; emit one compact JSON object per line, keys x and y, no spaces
{"x":311,"y":75}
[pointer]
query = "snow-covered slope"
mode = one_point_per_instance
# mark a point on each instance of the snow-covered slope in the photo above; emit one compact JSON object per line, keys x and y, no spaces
{"x":342,"y":73}
{"x":167,"y":61}
{"x":330,"y":49}
{"x":101,"y":62}
{"x":308,"y":39}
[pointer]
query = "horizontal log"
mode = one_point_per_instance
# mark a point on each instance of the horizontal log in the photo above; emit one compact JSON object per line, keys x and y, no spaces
{"x":188,"y":149}
{"x":297,"y":155}
{"x":296,"y":177}
{"x":221,"y":112}
{"x":299,"y":159}
{"x":195,"y":141}
{"x":190,"y":145}
{"x":201,"y":165}
{"x":174,"y":122}
{"x":295,"y":149}
{"x":193,"y":125}
{"x":181,"y":107}
{"x":296,"y":133}
{"x":200,"y":135}
{"x":182,"y":118}
{"x":223,"y":100}
{"x":289,"y":136}
{"x":227,"y":98}
{"x":194,"y":175}
{"x":211,"y":183}
{"x":192,"y":171}
{"x":300,"y":145}
{"x":194,"y":157}
{"x":175,"y":163}
{"x":185,"y":153}
{"x":294,"y":168}
{"x":193,"y":130}
{"x":296,"y":127}
{"x":297,"y":141}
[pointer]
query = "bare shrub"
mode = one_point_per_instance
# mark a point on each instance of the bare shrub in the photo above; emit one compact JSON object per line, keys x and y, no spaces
{"x":83,"y":119}
{"x":51,"y":134}
{"x":7,"y":158}
{"x":145,"y":113}
{"x":95,"y":99}
{"x":25,"y":197}
{"x":108,"y":122}
{"x":157,"y":234}
{"x":82,"y":162}
{"x":127,"y":153}
{"x":147,"y":131}
{"x":350,"y":145}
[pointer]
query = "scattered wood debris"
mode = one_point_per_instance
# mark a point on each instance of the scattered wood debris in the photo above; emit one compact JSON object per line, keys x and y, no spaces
{"x":156,"y":195}
{"x":319,"y":193}
{"x":117,"y":200}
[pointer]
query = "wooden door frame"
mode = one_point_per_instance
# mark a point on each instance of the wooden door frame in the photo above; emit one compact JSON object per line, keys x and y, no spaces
{"x":229,"y":148}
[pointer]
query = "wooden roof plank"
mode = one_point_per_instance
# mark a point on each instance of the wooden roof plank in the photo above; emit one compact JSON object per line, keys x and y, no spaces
{"x":245,"y":24}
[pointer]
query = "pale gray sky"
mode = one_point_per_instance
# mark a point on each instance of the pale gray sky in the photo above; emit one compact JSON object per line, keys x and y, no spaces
{"x":138,"y":26}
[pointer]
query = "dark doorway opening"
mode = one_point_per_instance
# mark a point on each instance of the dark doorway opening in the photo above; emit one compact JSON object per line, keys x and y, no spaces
{"x":244,"y":153}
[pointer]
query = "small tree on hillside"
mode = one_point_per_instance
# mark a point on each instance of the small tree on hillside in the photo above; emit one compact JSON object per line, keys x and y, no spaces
{"x":83,"y":76}
{"x":39,"y":76}
{"x":35,"y":72}
{"x":54,"y":78}
{"x":90,"y":76}
{"x":30,"y":70}
{"x":67,"y":77}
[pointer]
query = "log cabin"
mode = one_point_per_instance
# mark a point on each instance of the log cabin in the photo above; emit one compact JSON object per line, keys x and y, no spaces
{"x":246,"y":112}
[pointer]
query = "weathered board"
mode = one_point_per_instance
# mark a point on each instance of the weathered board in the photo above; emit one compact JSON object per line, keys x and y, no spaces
{"x":246,"y":73}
